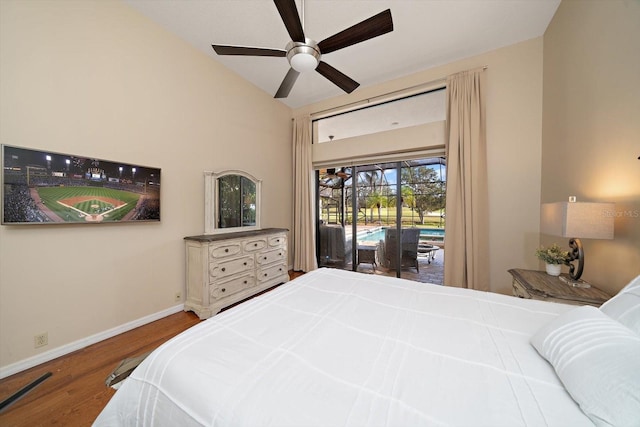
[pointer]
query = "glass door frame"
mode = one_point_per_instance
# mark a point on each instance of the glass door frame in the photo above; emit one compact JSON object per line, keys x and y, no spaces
{"x":354,"y":217}
{"x":335,"y":207}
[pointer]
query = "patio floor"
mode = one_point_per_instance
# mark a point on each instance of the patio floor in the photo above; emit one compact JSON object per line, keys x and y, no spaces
{"x":429,"y":272}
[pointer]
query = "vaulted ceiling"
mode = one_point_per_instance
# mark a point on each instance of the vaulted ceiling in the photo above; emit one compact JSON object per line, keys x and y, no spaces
{"x":426,"y":33}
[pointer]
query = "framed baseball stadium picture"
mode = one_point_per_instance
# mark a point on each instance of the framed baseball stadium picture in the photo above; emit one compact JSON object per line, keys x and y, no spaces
{"x":43,"y":187}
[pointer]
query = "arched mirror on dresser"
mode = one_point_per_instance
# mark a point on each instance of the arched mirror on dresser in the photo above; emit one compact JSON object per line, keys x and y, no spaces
{"x":232,"y":202}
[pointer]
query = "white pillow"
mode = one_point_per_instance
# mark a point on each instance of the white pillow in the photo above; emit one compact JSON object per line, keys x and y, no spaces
{"x":598,"y":361}
{"x":625,"y":306}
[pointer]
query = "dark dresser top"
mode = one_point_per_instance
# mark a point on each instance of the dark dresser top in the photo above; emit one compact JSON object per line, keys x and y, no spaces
{"x":235,"y":234}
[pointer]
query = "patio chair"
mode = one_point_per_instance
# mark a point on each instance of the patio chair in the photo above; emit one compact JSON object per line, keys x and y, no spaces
{"x":409,"y":258}
{"x":333,"y":247}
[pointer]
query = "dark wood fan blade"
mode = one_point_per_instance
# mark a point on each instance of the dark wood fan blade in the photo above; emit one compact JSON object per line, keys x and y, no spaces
{"x":289,"y":14}
{"x":247,"y":51}
{"x":341,"y":80}
{"x":287,"y":84}
{"x":375,"y":26}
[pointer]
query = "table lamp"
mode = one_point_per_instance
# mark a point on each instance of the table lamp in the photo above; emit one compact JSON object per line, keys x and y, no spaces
{"x":577,"y":220}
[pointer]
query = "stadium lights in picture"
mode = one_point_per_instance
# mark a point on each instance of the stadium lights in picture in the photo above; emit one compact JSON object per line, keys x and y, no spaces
{"x":42,"y":187}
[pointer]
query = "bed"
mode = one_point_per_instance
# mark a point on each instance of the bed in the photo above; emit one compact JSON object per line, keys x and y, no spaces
{"x":337,"y":348}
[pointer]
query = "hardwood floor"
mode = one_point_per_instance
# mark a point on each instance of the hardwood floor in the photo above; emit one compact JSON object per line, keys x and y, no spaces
{"x":75,"y":393}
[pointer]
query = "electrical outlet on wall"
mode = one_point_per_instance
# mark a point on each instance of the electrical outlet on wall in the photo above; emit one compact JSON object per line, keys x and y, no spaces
{"x":41,"y":340}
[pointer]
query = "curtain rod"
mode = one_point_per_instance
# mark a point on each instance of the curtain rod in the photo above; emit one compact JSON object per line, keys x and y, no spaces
{"x":381,"y":98}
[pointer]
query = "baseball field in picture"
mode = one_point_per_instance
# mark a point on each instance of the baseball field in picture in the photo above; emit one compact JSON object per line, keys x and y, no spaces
{"x":86,"y":203}
{"x":43,"y":187}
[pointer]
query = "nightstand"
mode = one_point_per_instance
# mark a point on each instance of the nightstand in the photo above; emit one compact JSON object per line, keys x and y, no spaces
{"x":541,"y":286}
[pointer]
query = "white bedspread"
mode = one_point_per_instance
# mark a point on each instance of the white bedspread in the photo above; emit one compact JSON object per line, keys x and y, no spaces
{"x":336,"y":348}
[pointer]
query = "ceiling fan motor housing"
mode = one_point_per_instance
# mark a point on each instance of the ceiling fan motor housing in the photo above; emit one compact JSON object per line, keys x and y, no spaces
{"x":303,"y":56}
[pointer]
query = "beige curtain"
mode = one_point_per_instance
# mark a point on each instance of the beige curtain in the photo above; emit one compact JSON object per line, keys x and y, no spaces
{"x":304,"y":241}
{"x":466,"y":239}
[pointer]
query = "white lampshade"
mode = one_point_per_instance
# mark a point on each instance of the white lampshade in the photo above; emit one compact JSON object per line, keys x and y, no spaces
{"x":578,"y":220}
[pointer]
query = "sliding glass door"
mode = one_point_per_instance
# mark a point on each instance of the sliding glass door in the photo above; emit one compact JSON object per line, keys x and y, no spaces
{"x":333,"y":231}
{"x":382,"y":218}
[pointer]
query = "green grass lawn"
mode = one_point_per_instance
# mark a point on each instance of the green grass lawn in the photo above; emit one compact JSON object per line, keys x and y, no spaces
{"x":387,"y":217}
{"x":51,"y":195}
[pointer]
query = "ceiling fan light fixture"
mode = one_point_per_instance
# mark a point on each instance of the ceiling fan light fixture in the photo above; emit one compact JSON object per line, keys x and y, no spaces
{"x":302,"y":62}
{"x":303,"y":56}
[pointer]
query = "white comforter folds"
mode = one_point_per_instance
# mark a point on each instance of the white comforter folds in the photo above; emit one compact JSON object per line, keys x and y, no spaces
{"x":336,"y":348}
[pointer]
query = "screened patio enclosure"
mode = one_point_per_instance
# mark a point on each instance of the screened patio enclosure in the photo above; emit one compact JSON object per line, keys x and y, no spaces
{"x":383,"y":218}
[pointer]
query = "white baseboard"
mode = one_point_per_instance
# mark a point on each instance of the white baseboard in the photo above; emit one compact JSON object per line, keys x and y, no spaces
{"x":30,"y":362}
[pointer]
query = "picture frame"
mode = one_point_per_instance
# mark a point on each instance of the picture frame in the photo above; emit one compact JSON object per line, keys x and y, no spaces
{"x":45,"y":187}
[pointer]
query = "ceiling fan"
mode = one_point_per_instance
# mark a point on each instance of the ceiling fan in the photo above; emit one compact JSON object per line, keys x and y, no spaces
{"x":333,"y":175}
{"x":304,"y":54}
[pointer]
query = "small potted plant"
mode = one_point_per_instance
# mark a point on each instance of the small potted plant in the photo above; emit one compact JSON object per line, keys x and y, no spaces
{"x":553,"y":257}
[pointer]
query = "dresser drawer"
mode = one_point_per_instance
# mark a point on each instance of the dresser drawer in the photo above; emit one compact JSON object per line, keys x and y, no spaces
{"x":269,"y":257}
{"x":229,"y":287}
{"x":278,"y":241}
{"x":255,"y":245}
{"x":269,"y":273}
{"x":226,"y":250}
{"x":228,"y":268}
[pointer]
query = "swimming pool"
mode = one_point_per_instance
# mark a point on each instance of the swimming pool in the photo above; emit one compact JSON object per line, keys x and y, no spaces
{"x":377,"y":234}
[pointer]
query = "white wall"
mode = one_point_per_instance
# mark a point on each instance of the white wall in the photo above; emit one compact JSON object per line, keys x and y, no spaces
{"x":514,"y":123}
{"x":376,"y":145}
{"x":97,"y":79}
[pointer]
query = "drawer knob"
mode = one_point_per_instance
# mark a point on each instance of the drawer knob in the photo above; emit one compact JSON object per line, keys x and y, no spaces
{"x":224,"y":269}
{"x":277,"y":240}
{"x":245,"y":282}
{"x":265,"y":274}
{"x":245,"y":263}
{"x":280,"y":254}
{"x":223,"y":289}
{"x":265,"y":257}
{"x":255,"y":244}
{"x":226,"y":250}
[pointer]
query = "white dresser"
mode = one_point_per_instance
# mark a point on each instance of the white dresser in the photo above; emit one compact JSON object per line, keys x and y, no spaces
{"x":223,"y":269}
